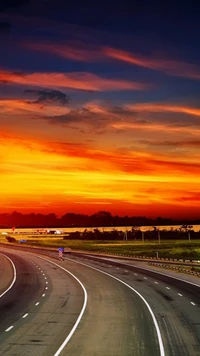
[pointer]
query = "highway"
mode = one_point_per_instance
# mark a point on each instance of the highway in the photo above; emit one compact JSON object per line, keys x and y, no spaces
{"x":116,"y":319}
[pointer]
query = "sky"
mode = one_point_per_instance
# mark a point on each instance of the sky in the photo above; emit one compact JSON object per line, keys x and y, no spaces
{"x":100,"y":107}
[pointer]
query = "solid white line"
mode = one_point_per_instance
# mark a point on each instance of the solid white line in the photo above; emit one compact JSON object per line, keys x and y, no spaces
{"x":12,"y":326}
{"x":161,"y":346}
{"x":37,"y":304}
{"x":82,"y":310}
{"x":180,"y":294}
{"x":14,"y":276}
{"x":192,"y":303}
{"x":25,"y":315}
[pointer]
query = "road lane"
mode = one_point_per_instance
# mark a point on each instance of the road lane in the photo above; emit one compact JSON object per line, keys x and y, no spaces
{"x":51,"y":314}
{"x":25,"y":291}
{"x":178,"y":318}
{"x":116,"y":321}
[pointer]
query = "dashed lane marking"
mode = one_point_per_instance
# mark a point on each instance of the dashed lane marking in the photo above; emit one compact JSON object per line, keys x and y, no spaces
{"x":25,"y":315}
{"x":10,"y":327}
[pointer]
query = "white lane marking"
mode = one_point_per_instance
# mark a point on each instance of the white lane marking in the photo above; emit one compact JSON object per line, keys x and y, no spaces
{"x":10,"y":327}
{"x":45,"y":277}
{"x":46,"y":288}
{"x":167,"y":288}
{"x":47,"y":282}
{"x":161,"y":346}
{"x":82,"y":310}
{"x":43,"y":274}
{"x":145,"y":277}
{"x":155,"y":282}
{"x":125,"y":270}
{"x":43,"y":295}
{"x":14,"y":276}
{"x":25,"y":315}
{"x":37,"y":304}
{"x":117,"y":267}
{"x":163,"y":274}
{"x":192,"y":303}
{"x":180,"y":294}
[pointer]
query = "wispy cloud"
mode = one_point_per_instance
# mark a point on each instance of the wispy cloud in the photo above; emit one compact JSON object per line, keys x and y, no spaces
{"x":73,"y":50}
{"x":75,"y":80}
{"x":155,"y":107}
{"x":168,"y":66}
{"x":77,"y":51}
{"x":186,"y":143}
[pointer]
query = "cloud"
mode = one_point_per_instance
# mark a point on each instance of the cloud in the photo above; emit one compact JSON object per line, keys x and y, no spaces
{"x":154,"y":107}
{"x":76,"y":50}
{"x":167,"y":66}
{"x":190,"y":143}
{"x":48,"y":97}
{"x":77,"y":116}
{"x":73,"y":50}
{"x":75,"y":80}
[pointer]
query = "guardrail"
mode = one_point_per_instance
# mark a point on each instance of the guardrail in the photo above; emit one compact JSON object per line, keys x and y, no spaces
{"x":175,"y":268}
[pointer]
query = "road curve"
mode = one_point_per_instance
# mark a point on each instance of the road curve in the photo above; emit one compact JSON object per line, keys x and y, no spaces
{"x":177,"y":311}
{"x":116,"y":320}
{"x":40,"y":310}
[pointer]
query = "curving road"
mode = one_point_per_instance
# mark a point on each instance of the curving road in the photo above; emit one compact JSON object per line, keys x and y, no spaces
{"x":116,"y":320}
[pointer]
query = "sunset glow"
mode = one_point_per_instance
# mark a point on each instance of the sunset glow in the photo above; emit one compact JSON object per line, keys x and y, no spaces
{"x":92,"y":123}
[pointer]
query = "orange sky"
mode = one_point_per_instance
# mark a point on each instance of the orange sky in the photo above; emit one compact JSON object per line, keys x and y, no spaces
{"x":97,"y":122}
{"x":55,"y":169}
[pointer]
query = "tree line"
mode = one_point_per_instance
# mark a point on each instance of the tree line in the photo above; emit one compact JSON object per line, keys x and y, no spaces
{"x":99,"y":219}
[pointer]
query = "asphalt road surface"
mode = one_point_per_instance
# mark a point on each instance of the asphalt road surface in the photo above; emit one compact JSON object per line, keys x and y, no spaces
{"x":46,"y":302}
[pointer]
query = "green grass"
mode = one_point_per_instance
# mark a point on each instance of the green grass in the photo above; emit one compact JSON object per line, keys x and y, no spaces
{"x":169,"y":249}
